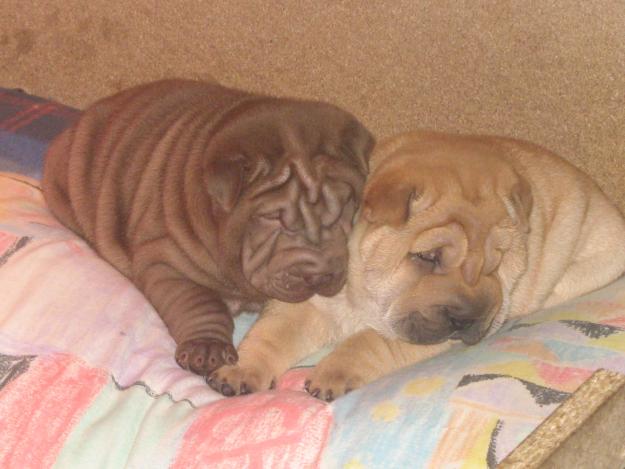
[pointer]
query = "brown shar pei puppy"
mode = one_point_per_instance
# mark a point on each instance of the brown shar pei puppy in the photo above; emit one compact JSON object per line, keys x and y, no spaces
{"x":457,"y":234}
{"x":212,"y":200}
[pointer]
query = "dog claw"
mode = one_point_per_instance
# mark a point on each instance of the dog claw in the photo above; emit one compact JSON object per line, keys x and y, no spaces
{"x":236,"y":381}
{"x":202,"y":356}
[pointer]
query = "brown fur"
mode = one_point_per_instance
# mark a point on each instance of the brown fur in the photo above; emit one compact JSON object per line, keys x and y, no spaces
{"x":212,"y":200}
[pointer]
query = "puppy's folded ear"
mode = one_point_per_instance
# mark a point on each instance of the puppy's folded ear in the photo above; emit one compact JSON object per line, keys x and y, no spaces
{"x":358,"y":142}
{"x":389,"y":202}
{"x":519,"y":203}
{"x":224,"y":180}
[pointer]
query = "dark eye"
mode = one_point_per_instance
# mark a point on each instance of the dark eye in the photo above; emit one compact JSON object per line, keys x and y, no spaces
{"x":430,"y":257}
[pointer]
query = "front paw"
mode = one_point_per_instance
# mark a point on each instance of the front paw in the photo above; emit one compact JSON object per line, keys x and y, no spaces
{"x":202,"y":356}
{"x":234,"y":380}
{"x":329,"y":381}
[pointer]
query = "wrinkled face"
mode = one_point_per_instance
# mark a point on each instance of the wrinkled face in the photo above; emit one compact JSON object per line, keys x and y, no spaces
{"x":290,"y":183}
{"x":435,"y":229}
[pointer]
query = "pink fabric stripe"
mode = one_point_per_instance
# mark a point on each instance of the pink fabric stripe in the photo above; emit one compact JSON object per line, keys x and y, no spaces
{"x":564,"y":378}
{"x":6,"y":241}
{"x":39,"y":408}
{"x":272,"y":429}
{"x":293,"y":379}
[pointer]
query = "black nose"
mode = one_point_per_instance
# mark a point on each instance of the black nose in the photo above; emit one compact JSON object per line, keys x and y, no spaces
{"x":460,"y":324}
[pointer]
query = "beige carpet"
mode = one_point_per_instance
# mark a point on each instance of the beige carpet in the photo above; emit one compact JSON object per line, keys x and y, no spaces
{"x":552,"y":71}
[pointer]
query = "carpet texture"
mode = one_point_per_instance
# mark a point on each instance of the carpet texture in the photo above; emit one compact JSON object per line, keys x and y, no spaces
{"x":551,"y":71}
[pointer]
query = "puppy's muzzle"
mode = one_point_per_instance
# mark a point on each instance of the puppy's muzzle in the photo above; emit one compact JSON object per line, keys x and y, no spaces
{"x":452,"y":323}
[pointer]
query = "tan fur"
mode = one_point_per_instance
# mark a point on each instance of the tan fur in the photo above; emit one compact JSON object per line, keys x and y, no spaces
{"x":516,"y":227}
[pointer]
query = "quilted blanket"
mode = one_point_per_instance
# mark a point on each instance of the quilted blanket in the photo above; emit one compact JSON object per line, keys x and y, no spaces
{"x":88,"y":379}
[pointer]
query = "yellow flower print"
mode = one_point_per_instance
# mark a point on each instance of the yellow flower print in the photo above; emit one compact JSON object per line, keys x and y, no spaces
{"x":353,"y":464}
{"x":386,"y":411}
{"x":423,"y":386}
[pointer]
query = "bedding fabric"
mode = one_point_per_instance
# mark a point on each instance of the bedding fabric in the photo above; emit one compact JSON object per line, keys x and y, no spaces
{"x":87,"y":376}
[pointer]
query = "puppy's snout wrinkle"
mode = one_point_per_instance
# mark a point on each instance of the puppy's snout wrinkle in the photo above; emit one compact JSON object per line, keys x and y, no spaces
{"x":307,"y":175}
{"x":312,"y":223}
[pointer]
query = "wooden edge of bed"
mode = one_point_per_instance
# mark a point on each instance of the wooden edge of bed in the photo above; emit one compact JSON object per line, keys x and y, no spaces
{"x":586,"y":430}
